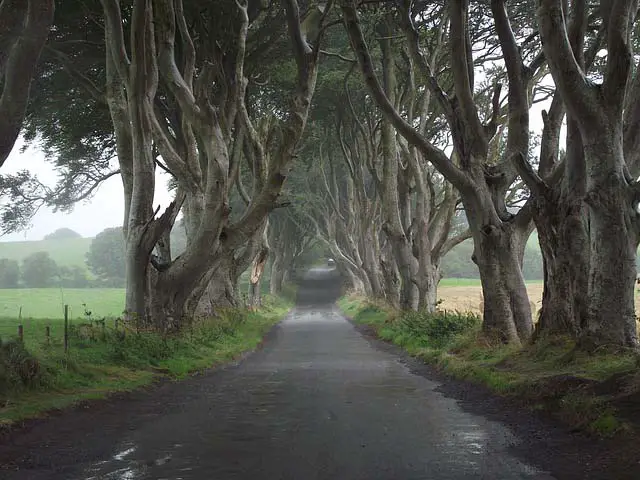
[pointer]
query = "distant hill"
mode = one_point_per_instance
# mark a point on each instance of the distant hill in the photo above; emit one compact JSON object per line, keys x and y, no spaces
{"x":62,"y":234}
{"x":66,"y":252}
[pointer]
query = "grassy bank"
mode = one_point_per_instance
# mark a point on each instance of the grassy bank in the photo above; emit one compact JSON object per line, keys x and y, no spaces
{"x":597,"y":393}
{"x":39,"y":376}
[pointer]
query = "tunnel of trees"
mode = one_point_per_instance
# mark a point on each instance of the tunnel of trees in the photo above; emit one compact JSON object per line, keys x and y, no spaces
{"x":384,"y":133}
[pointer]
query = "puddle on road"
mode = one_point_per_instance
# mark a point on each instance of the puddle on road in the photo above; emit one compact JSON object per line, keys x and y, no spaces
{"x":123,"y":467}
{"x":124,"y":453}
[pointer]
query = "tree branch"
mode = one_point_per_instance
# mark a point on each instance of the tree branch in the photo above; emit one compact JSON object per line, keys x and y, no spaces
{"x":115,"y":37}
{"x":19,"y":69}
{"x":433,"y":154}
{"x":569,"y":77}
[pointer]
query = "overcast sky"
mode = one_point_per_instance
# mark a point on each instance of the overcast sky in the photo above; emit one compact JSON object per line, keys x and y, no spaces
{"x":105,"y":209}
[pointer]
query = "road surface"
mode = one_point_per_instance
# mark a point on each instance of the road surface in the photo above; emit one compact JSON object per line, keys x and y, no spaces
{"x":319,"y":401}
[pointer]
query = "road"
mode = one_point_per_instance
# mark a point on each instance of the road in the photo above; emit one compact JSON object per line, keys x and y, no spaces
{"x":319,"y":401}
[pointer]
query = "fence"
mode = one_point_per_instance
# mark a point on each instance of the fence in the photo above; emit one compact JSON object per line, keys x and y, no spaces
{"x":62,"y":333}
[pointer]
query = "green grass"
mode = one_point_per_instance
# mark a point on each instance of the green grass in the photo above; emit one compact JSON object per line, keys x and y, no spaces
{"x":49,"y":302}
{"x":67,"y":252}
{"x":101,"y":361}
{"x":551,"y":374}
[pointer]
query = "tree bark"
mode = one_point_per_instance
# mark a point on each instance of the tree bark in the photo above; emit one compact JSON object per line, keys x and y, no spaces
{"x":391,"y":200}
{"x":613,"y":245}
{"x":563,"y":240}
{"x":257,"y":269}
{"x":497,"y":252}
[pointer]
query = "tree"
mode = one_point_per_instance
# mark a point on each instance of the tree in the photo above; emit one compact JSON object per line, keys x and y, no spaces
{"x":159,"y":101}
{"x":9,"y":273}
{"x":24,"y":27}
{"x":601,"y":117}
{"x":39,"y":270}
{"x":62,"y":234}
{"x":106,"y":256}
{"x":72,"y":277}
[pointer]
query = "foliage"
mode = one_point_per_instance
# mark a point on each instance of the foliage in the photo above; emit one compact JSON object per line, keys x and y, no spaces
{"x":437,"y":328}
{"x":105,"y":257}
{"x":39,"y":270}
{"x":72,"y":277}
{"x":18,"y":368}
{"x":9,"y":273}
{"x":62,"y":234}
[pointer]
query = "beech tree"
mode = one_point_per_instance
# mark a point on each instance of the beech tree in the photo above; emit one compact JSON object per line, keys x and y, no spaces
{"x":602,"y":115}
{"x":196,"y":115}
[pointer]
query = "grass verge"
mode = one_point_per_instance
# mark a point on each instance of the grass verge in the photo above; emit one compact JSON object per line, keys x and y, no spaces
{"x":597,"y":393}
{"x":39,"y":377}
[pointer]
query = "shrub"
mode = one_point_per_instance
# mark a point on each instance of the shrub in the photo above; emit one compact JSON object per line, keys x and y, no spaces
{"x":438,"y":328}
{"x":17,"y":366}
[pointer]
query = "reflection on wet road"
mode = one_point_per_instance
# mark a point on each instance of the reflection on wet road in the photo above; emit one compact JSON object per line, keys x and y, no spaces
{"x":319,"y":402}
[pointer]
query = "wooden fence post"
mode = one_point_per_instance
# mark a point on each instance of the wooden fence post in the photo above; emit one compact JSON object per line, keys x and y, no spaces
{"x":66,"y":328}
{"x":21,"y":333}
{"x":47,"y":332}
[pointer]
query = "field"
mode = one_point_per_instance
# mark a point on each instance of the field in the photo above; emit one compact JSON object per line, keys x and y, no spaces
{"x":45,"y":306}
{"x":465,"y":295}
{"x":67,"y":252}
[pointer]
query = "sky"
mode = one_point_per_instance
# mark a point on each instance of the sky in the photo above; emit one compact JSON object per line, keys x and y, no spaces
{"x":105,"y":209}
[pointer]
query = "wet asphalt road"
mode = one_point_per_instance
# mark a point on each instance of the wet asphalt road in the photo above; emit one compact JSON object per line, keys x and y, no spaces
{"x":319,"y":401}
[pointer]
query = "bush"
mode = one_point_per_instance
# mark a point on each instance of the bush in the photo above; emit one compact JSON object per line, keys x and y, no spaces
{"x":17,"y":367}
{"x":439,"y":328}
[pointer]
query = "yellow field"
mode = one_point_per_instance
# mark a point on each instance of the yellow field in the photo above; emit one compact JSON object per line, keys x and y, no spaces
{"x":468,"y":298}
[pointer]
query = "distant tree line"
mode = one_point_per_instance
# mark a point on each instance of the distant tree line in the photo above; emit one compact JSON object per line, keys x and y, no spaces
{"x":105,"y":263}
{"x":39,"y":270}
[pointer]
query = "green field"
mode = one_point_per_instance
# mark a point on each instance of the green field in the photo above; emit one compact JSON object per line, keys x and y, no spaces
{"x":67,"y":252}
{"x":48,"y":302}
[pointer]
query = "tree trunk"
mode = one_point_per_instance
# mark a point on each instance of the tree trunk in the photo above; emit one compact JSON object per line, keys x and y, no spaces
{"x":563,"y":237}
{"x":391,"y":277}
{"x":497,"y":252}
{"x":371,"y":265}
{"x":277,"y":273}
{"x":613,"y":244}
{"x":220,"y":291}
{"x":428,"y":288}
{"x":137,"y":280}
{"x":255,"y":276}
{"x":394,"y":203}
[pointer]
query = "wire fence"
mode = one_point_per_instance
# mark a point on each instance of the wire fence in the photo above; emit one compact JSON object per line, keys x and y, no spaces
{"x":61,"y":332}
